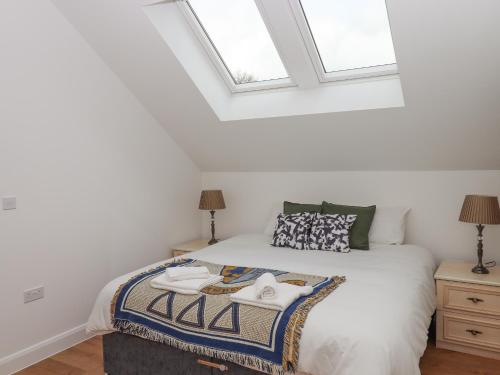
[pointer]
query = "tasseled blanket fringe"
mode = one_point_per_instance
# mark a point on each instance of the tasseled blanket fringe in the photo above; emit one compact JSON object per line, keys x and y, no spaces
{"x":293,"y":331}
{"x":244,"y":360}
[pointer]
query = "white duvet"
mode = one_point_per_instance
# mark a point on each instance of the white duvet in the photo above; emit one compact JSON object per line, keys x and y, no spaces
{"x":373,"y":324}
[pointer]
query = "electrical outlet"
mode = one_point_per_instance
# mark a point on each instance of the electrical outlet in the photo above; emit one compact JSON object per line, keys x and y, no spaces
{"x":31,"y":295}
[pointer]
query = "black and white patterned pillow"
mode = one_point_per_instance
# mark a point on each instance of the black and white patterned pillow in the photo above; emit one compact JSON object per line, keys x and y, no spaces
{"x":331,"y":232}
{"x":293,"y":230}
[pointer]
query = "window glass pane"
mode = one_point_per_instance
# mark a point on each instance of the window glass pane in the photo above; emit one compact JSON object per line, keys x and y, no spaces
{"x":240,"y":36}
{"x":350,"y":34}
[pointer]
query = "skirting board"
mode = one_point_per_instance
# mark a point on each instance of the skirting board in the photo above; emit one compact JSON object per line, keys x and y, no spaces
{"x":38,"y":352}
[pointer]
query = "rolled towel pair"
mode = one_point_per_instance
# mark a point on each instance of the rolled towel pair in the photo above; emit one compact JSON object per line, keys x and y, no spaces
{"x":186,"y":273}
{"x":284,"y":294}
{"x":265,"y":286}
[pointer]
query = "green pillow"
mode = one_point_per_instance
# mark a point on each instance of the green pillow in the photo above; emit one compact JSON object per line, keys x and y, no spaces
{"x":297,"y":208}
{"x":358,"y":237}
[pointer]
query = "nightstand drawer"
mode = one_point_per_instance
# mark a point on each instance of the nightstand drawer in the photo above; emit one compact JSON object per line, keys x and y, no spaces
{"x":473,"y":331}
{"x":469,"y":297}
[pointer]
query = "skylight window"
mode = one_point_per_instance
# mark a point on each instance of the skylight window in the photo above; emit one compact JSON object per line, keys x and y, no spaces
{"x":350,"y":34}
{"x":240,"y":39}
{"x":271,"y":44}
{"x":289,"y":53}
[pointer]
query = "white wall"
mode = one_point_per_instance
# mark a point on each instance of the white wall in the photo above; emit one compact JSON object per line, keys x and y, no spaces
{"x":434,"y":197}
{"x":449,"y":75}
{"x":102,"y":189}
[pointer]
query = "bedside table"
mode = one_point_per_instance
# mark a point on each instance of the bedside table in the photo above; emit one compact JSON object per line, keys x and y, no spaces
{"x":189,"y":247}
{"x":468,"y":309}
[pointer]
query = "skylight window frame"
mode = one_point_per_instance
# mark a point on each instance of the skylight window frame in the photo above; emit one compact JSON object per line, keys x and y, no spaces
{"x":314,"y":54}
{"x":307,"y":98}
{"x":218,"y":61}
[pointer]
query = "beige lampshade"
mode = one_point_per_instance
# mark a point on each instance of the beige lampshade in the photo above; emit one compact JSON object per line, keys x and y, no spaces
{"x":212,"y":200}
{"x":480,"y":209}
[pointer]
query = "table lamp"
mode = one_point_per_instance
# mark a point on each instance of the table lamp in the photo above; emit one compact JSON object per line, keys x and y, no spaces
{"x":480,"y":210}
{"x":212,"y":200}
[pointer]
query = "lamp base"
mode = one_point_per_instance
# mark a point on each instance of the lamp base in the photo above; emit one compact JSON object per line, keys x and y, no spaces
{"x":212,"y":241}
{"x":480,"y":269}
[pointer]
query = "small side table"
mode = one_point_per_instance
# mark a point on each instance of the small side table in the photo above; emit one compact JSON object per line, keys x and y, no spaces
{"x":189,"y":247}
{"x":468,"y":309}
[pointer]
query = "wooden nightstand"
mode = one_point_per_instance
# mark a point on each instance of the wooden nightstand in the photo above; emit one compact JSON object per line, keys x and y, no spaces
{"x":189,"y":247}
{"x":468,"y":309}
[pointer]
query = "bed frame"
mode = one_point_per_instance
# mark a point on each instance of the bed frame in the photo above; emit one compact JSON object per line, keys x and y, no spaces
{"x":130,"y":355}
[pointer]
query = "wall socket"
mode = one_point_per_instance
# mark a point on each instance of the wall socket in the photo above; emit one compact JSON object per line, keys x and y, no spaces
{"x":33,"y":294}
{"x":9,"y":203}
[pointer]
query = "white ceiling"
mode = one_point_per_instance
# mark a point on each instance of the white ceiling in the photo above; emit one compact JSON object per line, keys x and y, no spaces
{"x":448,"y":54}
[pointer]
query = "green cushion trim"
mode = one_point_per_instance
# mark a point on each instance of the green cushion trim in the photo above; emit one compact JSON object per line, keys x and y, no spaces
{"x":297,"y":208}
{"x":358,"y":238}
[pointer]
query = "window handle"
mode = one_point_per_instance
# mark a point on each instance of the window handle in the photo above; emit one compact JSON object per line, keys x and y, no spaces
{"x":475,"y":300}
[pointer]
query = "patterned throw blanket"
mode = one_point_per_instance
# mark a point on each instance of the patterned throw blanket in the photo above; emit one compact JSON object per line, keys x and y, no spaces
{"x":210,"y":324}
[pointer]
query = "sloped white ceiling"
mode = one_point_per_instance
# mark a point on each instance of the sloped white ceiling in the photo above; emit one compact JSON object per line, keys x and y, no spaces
{"x":448,"y":53}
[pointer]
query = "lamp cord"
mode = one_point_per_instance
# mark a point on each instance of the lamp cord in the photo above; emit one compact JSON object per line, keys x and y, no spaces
{"x":490,"y":264}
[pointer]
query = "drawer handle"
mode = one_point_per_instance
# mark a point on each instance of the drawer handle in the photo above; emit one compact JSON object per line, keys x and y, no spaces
{"x":473,"y":332}
{"x":222,"y":368}
{"x":475,"y":300}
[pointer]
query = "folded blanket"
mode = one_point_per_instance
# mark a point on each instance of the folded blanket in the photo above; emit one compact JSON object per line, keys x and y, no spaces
{"x":192,"y":286}
{"x":186,"y":273}
{"x":265,"y":286}
{"x":208,"y":323}
{"x":286,"y":294}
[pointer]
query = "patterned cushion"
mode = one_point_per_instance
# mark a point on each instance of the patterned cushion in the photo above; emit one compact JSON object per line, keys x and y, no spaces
{"x":331,"y":232}
{"x":293,"y":230}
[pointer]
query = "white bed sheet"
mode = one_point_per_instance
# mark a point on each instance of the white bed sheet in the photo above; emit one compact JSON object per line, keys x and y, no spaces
{"x":373,"y":324}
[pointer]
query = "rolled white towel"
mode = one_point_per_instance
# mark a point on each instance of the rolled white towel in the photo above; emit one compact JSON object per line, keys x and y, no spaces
{"x":186,"y":273}
{"x":285,"y":296}
{"x":265,"y":286}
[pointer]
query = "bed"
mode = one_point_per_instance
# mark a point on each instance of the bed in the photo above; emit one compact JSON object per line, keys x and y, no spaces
{"x":375,"y":323}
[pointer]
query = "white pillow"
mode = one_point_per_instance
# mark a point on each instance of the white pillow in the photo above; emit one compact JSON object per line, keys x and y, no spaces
{"x":273,"y":220}
{"x":389,"y":225}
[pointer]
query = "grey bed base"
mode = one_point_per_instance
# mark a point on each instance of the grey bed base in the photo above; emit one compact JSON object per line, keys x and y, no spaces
{"x":130,"y":355}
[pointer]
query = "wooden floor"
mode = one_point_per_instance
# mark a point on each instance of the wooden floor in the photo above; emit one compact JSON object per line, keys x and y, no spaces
{"x":86,"y":359}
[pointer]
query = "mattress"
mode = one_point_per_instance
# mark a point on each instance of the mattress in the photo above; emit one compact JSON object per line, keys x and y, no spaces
{"x":375,"y":323}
